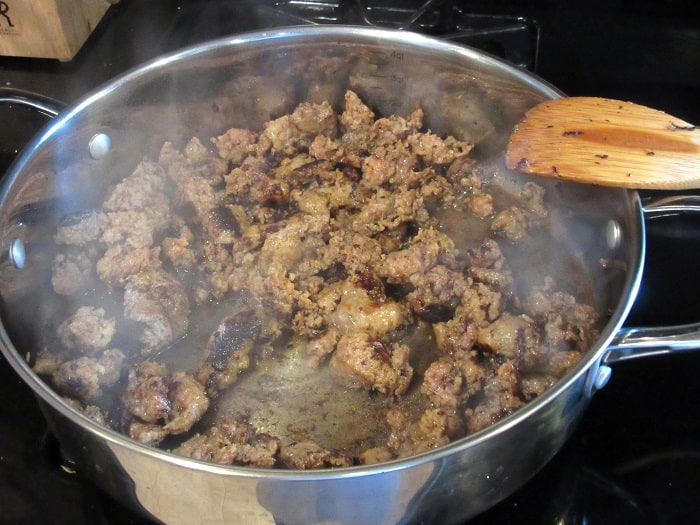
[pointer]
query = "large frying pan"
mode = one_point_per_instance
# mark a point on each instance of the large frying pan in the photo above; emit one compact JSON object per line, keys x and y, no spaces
{"x":70,"y":162}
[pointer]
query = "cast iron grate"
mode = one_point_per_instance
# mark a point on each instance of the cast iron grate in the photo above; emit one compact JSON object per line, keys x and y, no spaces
{"x":515,"y":39}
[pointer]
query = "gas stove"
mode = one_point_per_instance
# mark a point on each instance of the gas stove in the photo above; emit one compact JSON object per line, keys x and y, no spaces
{"x":635,"y":455}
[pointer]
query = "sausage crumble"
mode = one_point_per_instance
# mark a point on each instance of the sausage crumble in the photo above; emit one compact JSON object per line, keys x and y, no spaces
{"x":369,"y":247}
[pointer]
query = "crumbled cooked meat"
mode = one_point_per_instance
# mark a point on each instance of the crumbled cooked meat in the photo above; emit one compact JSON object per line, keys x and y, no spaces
{"x":501,"y":398}
{"x":487,"y":255}
{"x":532,"y":199}
{"x":451,"y":382}
{"x":202,"y":164}
{"x":436,"y":293}
{"x":375,"y":455}
{"x":319,"y":348}
{"x":87,"y":330}
{"x":366,"y":246}
{"x":428,"y":248}
{"x":358,"y":312}
{"x":386,"y":210}
{"x":481,"y":304}
{"x":534,"y":385}
{"x":515,"y":222}
{"x":84,"y":378}
{"x":119,"y":262}
{"x":189,"y":402}
{"x":489,"y":266}
{"x":47,"y":361}
{"x":387,"y":166}
{"x":436,"y":150}
{"x":146,"y":395}
{"x":394,"y":129}
{"x":231,"y":443}
{"x":162,"y":403}
{"x":138,"y":208}
{"x":410,"y":438}
{"x":147,"y":433}
{"x":314,"y":119}
{"x":371,"y":363}
{"x":357,"y":117}
{"x":443,"y":383}
{"x":71,"y":272}
{"x":510,"y":336}
{"x":81,"y":228}
{"x":481,"y":204}
{"x":290,"y":132}
{"x":456,"y":335}
{"x":93,"y":412}
{"x":137,"y":211}
{"x":558,"y":363}
{"x":235,"y":144}
{"x":227,"y":353}
{"x":568,"y":324}
{"x":158,"y":300}
{"x":195,"y":193}
{"x":179,"y":250}
{"x":306,"y":455}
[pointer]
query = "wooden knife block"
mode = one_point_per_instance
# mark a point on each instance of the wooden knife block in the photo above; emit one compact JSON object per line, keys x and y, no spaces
{"x":48,"y":28}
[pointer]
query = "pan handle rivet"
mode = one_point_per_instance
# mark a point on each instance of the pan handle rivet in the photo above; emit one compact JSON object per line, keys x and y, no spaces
{"x":613,"y":234}
{"x":18,"y":256}
{"x":602,"y":377}
{"x":99,"y":145}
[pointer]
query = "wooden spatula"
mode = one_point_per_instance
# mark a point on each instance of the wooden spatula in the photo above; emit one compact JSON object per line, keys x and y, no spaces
{"x":606,"y":142}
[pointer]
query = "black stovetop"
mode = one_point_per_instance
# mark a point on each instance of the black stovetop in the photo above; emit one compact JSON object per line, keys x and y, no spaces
{"x":636,"y":455}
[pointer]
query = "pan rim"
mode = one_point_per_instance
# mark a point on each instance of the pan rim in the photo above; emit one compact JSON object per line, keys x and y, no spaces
{"x":356,"y":34}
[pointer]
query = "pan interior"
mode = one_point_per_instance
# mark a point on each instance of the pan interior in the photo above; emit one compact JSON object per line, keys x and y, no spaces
{"x":247,"y":85}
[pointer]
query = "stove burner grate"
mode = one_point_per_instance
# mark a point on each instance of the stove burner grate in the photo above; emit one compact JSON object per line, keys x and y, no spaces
{"x":512,"y":38}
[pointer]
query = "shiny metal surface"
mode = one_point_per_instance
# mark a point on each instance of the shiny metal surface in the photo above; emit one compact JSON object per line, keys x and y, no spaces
{"x":41,"y":103}
{"x":633,"y":343}
{"x":447,"y":485}
{"x":636,"y":342}
{"x":671,"y":205}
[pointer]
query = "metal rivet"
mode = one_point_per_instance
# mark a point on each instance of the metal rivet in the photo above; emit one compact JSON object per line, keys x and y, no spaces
{"x":18,"y":256}
{"x":613,"y":234}
{"x":99,"y":145}
{"x":602,"y":377}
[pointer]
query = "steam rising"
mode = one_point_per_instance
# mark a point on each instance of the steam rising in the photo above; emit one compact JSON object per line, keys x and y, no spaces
{"x":205,"y":95}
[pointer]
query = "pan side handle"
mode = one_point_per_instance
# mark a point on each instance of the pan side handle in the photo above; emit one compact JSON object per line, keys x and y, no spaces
{"x":632,"y":343}
{"x":46,"y":105}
